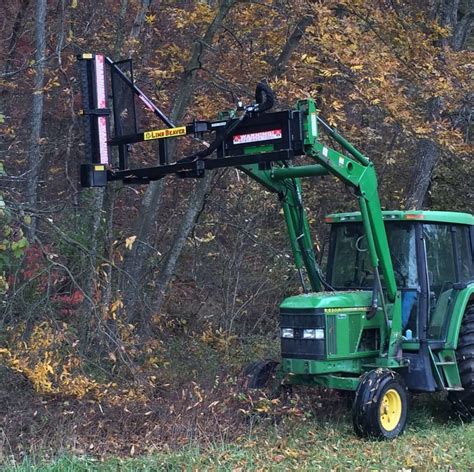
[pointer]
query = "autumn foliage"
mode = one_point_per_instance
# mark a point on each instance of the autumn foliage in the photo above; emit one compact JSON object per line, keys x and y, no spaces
{"x":118,"y":296}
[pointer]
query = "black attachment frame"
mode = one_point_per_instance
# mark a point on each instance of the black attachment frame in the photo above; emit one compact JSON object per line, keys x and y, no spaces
{"x":249,"y":138}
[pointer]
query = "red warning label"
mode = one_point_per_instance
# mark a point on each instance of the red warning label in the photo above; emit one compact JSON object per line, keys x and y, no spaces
{"x":256,"y":137}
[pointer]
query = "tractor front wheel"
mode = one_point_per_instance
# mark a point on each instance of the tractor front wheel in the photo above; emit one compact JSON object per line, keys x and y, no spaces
{"x":463,"y":402}
{"x":380,"y":406}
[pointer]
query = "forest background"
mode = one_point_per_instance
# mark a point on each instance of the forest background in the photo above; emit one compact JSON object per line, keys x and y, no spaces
{"x":156,"y":296}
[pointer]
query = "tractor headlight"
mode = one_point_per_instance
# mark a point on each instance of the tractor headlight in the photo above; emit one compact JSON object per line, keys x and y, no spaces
{"x":313,"y":334}
{"x":287,"y":333}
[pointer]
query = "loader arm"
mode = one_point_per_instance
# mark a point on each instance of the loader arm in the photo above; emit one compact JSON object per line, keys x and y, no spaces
{"x":357,"y":172}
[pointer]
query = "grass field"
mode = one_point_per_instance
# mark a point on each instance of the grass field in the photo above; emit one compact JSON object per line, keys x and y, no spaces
{"x":432,"y":442}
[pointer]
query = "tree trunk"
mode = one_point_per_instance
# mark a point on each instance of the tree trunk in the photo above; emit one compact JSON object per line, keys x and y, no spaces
{"x":187,"y":223}
{"x":34,"y":151}
{"x":291,"y":44}
{"x":426,"y":155}
{"x":15,"y":35}
{"x":120,"y":29}
{"x":137,"y":26}
{"x":427,"y":152}
{"x":459,"y":17}
{"x":6,"y":102}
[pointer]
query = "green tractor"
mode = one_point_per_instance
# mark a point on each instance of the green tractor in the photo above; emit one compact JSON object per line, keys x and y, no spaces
{"x":394,"y":310}
{"x":421,"y":340}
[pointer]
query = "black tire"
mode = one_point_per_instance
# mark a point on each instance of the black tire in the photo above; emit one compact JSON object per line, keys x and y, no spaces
{"x":463,"y":402}
{"x":260,"y":373}
{"x":380,"y":406}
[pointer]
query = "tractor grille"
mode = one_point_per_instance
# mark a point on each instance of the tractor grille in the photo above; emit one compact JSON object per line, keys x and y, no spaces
{"x":298,"y":320}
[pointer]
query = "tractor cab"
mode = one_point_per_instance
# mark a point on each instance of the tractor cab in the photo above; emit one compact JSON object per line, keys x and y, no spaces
{"x":432,"y":256}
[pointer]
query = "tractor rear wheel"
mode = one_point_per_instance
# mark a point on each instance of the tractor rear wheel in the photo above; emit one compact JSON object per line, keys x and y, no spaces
{"x":380,"y":406}
{"x":463,"y":402}
{"x":259,"y":374}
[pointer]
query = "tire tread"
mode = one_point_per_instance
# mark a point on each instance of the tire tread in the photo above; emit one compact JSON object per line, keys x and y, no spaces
{"x":463,"y":402}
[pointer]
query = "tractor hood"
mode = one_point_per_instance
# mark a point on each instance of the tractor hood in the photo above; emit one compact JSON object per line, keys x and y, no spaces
{"x":355,"y":300}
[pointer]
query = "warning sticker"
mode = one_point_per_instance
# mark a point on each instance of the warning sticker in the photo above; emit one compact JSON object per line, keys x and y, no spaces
{"x":256,"y":137}
{"x":164,"y":133}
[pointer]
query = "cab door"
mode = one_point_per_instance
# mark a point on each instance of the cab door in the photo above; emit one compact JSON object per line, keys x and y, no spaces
{"x":449,"y":262}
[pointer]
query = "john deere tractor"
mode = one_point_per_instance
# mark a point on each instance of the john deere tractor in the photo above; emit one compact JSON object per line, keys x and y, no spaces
{"x":394,"y":311}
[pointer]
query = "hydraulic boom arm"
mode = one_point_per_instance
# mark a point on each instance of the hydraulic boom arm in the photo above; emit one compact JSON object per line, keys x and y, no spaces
{"x":356,"y":171}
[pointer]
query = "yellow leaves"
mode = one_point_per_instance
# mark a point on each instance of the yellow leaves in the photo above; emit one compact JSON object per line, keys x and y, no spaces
{"x":41,"y":361}
{"x":218,"y":339}
{"x":129,"y":242}
{"x":439,"y":31}
{"x":293,"y":453}
{"x":357,"y":67}
{"x":45,"y":361}
{"x":116,"y":305}
{"x":53,"y":82}
{"x":200,"y":16}
{"x":150,"y":18}
{"x":79,"y":386}
{"x":307,"y":59}
{"x":4,"y":286}
{"x":423,"y":130}
{"x":329,"y":72}
{"x":336,"y":118}
{"x":206,"y":239}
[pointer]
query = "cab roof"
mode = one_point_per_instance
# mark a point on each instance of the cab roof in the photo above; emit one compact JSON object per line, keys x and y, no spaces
{"x":412,"y":215}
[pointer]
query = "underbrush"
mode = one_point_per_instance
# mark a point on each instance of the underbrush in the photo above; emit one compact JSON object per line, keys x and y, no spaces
{"x":186,"y":408}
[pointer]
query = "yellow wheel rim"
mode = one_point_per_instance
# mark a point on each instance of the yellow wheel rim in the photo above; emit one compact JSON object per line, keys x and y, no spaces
{"x":390,"y":410}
